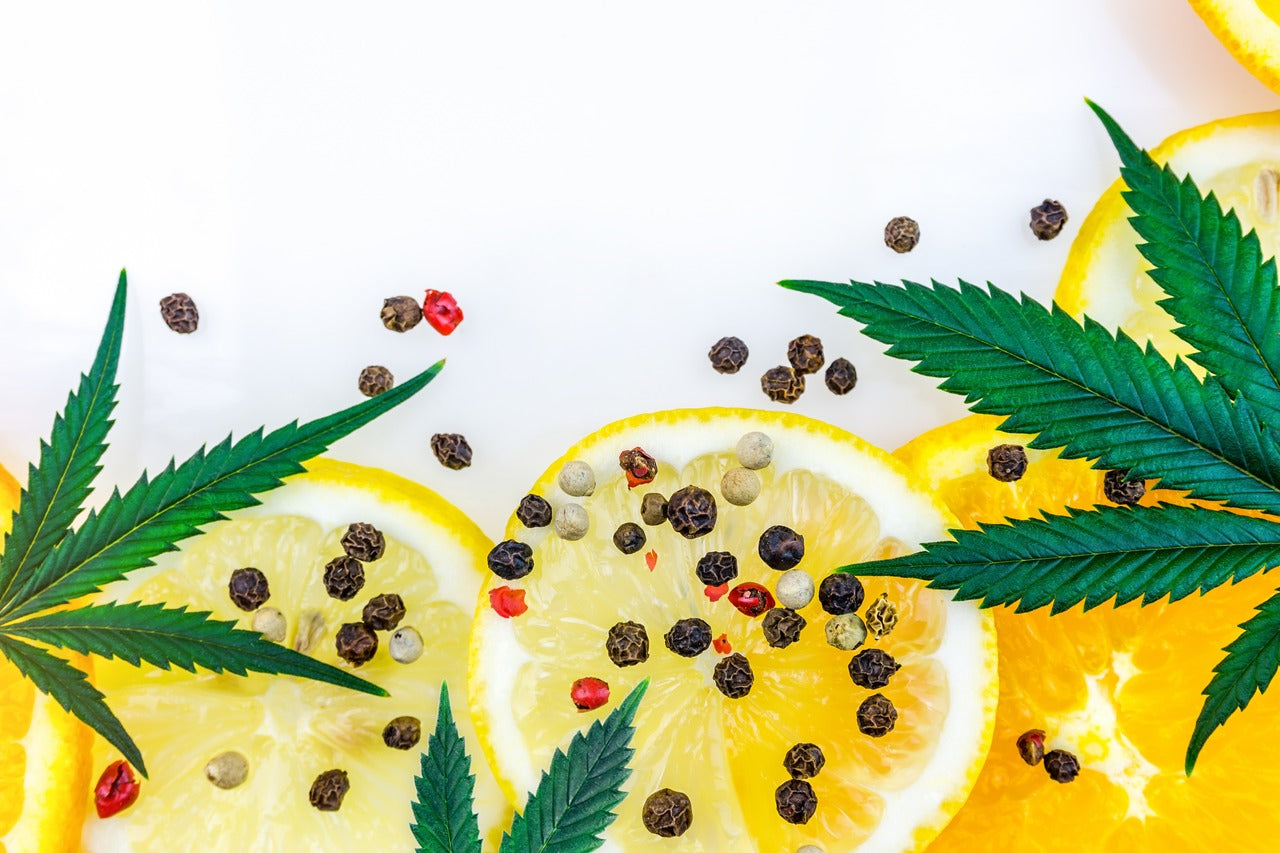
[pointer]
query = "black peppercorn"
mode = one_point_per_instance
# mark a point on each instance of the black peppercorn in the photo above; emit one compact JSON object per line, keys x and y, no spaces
{"x":510,"y":560}
{"x":1121,"y":491}
{"x":733,"y":676}
{"x":452,"y":450}
{"x":534,"y":511}
{"x":628,"y":644}
{"x":179,"y":313}
{"x":689,"y":637}
{"x":402,"y":733}
{"x":805,"y":354}
{"x":692,"y":512}
{"x":782,"y":384}
{"x":1007,"y":462}
{"x":401,"y":313}
{"x":248,"y":589}
{"x":876,"y":715}
{"x":653,"y":509}
{"x":902,"y":234}
{"x":374,"y":380}
{"x":383,"y":612}
{"x":343,"y":577}
{"x":328,"y":790}
{"x":842,"y":376}
{"x":840,"y":593}
{"x":629,"y":537}
{"x":796,"y":801}
{"x":356,"y":643}
{"x":781,"y":548}
{"x":717,"y":567}
{"x":1047,"y":219}
{"x":667,"y":813}
{"x":728,"y":355}
{"x":1061,"y":765}
{"x":804,"y":760}
{"x":782,"y":627}
{"x":872,"y":668}
{"x":364,"y":542}
{"x":639,"y":467}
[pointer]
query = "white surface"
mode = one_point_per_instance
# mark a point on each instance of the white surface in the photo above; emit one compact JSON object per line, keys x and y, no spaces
{"x":607,"y":188}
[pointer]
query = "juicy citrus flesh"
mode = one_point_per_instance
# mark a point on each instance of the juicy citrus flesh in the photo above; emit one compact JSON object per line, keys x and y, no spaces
{"x":1250,"y":30}
{"x":1118,"y":687}
{"x":293,"y":729}
{"x":727,"y":754}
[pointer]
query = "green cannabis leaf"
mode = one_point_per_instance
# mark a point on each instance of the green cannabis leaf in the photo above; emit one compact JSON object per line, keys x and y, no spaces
{"x":1099,"y":395}
{"x":46,"y":564}
{"x":444,"y":814}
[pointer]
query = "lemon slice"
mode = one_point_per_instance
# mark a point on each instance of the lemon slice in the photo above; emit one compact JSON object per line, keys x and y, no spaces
{"x":1250,"y":30}
{"x":850,"y":502}
{"x":292,"y":730}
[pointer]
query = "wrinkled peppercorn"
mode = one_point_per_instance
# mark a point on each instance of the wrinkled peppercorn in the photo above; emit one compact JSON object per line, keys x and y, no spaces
{"x":882,"y":616}
{"x":840,"y":593}
{"x":401,"y":313}
{"x":343,"y":577}
{"x":328,"y":790}
{"x":1031,"y":746}
{"x":796,"y":801}
{"x":1007,"y":462}
{"x":781,"y":548}
{"x":629,"y":537}
{"x":901,"y":234}
{"x":805,"y":354}
{"x":846,"y":631}
{"x":653,"y":509}
{"x":534,"y":511}
{"x":452,"y":450}
{"x":782,"y":384}
{"x":733,"y":676}
{"x":876,"y":715}
{"x":689,"y":637}
{"x":717,"y":567}
{"x":383,"y":612}
{"x":1118,"y":490}
{"x":782,"y":627}
{"x":1047,"y":219}
{"x":804,"y":761}
{"x":364,"y":542}
{"x":402,"y":733}
{"x":639,"y":467}
{"x":248,"y":589}
{"x":374,"y":380}
{"x":667,"y":813}
{"x":356,"y":643}
{"x":179,"y":313}
{"x":628,"y":644}
{"x":872,"y":668}
{"x":510,"y":560}
{"x":841,"y":376}
{"x":692,"y":512}
{"x":728,"y":355}
{"x":1061,"y":765}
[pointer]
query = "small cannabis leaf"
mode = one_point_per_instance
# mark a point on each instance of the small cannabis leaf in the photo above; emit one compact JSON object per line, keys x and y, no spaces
{"x":444,"y":814}
{"x":1098,"y":395}
{"x":45,"y":564}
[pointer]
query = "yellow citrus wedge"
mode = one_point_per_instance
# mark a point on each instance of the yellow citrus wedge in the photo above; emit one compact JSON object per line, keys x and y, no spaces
{"x":850,"y":502}
{"x":291,"y":730}
{"x":1250,"y":30}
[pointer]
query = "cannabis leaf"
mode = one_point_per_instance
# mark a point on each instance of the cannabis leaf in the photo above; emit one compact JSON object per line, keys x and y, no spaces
{"x":46,"y":564}
{"x":444,"y":813}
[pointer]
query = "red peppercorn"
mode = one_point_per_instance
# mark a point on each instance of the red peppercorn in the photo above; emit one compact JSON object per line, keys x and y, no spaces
{"x":589,"y":693}
{"x":639,"y":466}
{"x":441,"y":310}
{"x":722,"y":645}
{"x":751,"y":599}
{"x":507,"y":602}
{"x":1031,"y":746}
{"x":117,"y":789}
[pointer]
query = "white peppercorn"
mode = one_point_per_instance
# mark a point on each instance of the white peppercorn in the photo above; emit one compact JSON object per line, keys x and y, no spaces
{"x":740,"y":486}
{"x":572,"y":522}
{"x":795,"y":589}
{"x":270,"y":623}
{"x":405,"y":645}
{"x":755,"y":450}
{"x":577,"y":479}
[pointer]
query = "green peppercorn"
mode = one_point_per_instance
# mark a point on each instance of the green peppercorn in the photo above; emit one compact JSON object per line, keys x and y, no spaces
{"x":401,"y":313}
{"x":1061,"y":765}
{"x":728,"y":355}
{"x":227,"y":770}
{"x":782,"y":627}
{"x":510,"y":560}
{"x":872,"y":668}
{"x":804,"y":761}
{"x":374,"y":380}
{"x":882,"y":616}
{"x":402,"y":732}
{"x":780,"y":548}
{"x":178,"y":310}
{"x":356,"y":643}
{"x":902,"y":234}
{"x":653,"y":509}
{"x":364,"y":542}
{"x":692,"y":512}
{"x":717,"y":567}
{"x":629,"y":537}
{"x":451,"y":450}
{"x":270,"y":623}
{"x":796,"y":801}
{"x":343,"y":577}
{"x":841,"y":377}
{"x":534,"y":511}
{"x":248,"y":589}
{"x":667,"y":813}
{"x":689,"y":637}
{"x":383,"y":612}
{"x":846,"y":631}
{"x":1047,"y":219}
{"x":805,"y":354}
{"x":1121,"y":491}
{"x":782,"y":384}
{"x":1007,"y":462}
{"x":733,"y":676}
{"x":627,"y":644}
{"x":328,"y":790}
{"x":876,"y":715}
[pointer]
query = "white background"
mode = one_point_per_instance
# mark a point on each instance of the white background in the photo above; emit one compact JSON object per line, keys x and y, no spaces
{"x":607,"y":188}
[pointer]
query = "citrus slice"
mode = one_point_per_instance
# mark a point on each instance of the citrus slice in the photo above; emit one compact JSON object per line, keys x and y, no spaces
{"x":289,"y":730}
{"x":44,"y":751}
{"x":1117,"y":687}
{"x":1250,"y":30}
{"x":850,"y":502}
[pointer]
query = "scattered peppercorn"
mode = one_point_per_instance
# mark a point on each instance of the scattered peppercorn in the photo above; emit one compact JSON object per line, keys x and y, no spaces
{"x":804,"y":761}
{"x":572,"y":522}
{"x":795,"y":589}
{"x":1047,"y":219}
{"x":722,"y":645}
{"x":733,"y":676}
{"x":402,"y":732}
{"x":901,"y":234}
{"x":270,"y":623}
{"x":653,"y":509}
{"x":248,"y":589}
{"x":383,"y":612}
{"x":840,"y":593}
{"x":805,"y":354}
{"x":728,"y":355}
{"x":374,"y":380}
{"x":796,"y":801}
{"x":627,"y":644}
{"x":356,"y":643}
{"x":310,"y":630}
{"x":405,"y":645}
{"x":577,"y":479}
{"x":441,"y":310}
{"x":876,"y":715}
{"x":589,"y":693}
{"x":754,"y":451}
{"x":117,"y":789}
{"x":179,"y":313}
{"x":328,"y":790}
{"x":1061,"y":765}
{"x":740,"y":486}
{"x":1121,"y":491}
{"x":667,"y":813}
{"x":841,"y":377}
{"x":846,"y":631}
{"x":782,"y":627}
{"x":717,"y":567}
{"x":882,"y":616}
{"x":401,"y":313}
{"x":781,"y":548}
{"x":227,"y":770}
{"x":629,"y":537}
{"x":689,"y":637}
{"x":510,"y":560}
{"x":1007,"y":462}
{"x":782,"y":384}
{"x":1031,"y":746}
{"x":451,"y":450}
{"x":507,"y":602}
{"x":343,"y":578}
{"x":692,"y":512}
{"x":872,"y":668}
{"x":751,"y":599}
{"x":364,"y":542}
{"x":534,"y":511}
{"x":639,"y":467}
